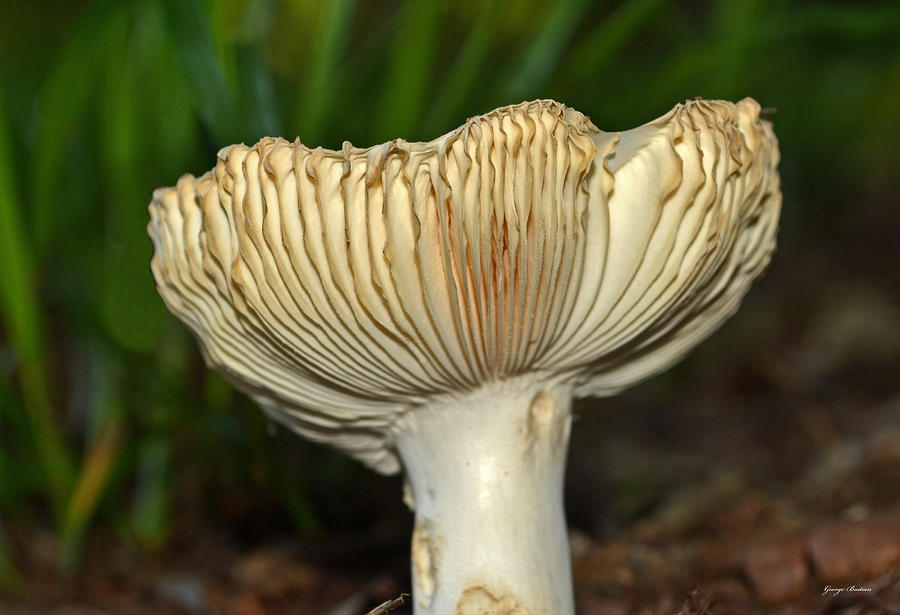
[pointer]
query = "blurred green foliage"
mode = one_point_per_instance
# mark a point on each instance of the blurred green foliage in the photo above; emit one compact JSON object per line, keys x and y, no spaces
{"x":106,"y":411}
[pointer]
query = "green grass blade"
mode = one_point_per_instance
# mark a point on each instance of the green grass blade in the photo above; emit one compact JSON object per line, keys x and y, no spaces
{"x":188,"y":25}
{"x":21,"y":319}
{"x":735,"y":23}
{"x":130,"y":306}
{"x":607,"y":41}
{"x":10,"y":577}
{"x":539,"y":59}
{"x":300,"y":508}
{"x":175,"y":139}
{"x":409,"y":69}
{"x":318,"y":93}
{"x":460,"y":82}
{"x":93,"y":478}
{"x":257,"y":95}
{"x":861,"y":24}
{"x":365,"y":62}
{"x":150,"y":517}
{"x":67,"y":95}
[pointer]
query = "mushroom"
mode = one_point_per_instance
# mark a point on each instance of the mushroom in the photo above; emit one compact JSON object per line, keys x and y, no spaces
{"x":435,"y":307}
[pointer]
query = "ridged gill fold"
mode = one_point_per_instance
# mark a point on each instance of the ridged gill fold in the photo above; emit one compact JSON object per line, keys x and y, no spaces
{"x":341,"y":289}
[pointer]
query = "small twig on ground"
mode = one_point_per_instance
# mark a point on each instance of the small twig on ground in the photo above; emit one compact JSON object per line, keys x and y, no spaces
{"x":698,"y":603}
{"x":390,"y":605}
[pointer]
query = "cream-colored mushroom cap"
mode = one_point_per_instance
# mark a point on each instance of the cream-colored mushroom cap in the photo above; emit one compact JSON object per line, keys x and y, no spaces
{"x":341,"y":289}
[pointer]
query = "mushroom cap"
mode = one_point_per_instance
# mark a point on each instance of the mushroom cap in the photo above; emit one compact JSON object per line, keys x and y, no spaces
{"x":341,"y":289}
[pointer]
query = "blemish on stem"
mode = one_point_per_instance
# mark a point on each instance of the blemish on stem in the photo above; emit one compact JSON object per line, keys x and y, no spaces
{"x":425,"y":563}
{"x":541,"y":412}
{"x":479,"y":601}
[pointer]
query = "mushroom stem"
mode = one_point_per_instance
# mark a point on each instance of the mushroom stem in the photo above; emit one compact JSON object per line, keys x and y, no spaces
{"x":485,"y":472}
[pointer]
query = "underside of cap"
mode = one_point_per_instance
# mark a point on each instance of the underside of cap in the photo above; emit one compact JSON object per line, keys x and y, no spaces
{"x":342,"y":289}
{"x":690,"y":223}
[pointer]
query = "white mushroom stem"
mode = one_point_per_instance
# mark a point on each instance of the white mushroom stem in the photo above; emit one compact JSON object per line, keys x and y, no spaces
{"x":486,"y":475}
{"x":348,"y":292}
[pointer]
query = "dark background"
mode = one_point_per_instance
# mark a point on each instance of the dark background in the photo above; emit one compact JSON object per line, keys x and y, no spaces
{"x":115,"y":438}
